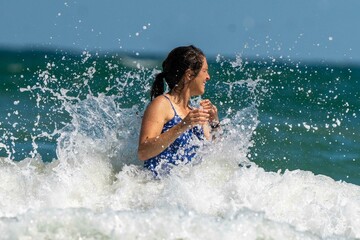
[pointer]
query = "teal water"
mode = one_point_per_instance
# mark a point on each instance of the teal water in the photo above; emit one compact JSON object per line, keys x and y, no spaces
{"x":308,"y":112}
{"x":69,"y":125}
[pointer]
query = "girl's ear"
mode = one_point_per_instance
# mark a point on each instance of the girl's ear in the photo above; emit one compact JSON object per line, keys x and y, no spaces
{"x":189,"y":74}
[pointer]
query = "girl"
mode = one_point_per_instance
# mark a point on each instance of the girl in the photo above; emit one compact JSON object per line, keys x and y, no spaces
{"x":170,"y":125}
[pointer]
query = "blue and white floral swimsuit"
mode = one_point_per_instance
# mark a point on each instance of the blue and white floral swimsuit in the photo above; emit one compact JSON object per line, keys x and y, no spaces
{"x":182,"y":150}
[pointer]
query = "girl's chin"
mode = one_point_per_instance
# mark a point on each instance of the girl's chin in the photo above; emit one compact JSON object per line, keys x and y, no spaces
{"x":198,"y":92}
{"x":201,"y":92}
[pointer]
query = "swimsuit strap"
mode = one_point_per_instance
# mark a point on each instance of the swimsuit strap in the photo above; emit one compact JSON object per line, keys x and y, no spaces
{"x":172,"y":106}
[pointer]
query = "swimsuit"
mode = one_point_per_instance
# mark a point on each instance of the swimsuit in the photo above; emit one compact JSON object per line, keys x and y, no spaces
{"x":182,"y":150}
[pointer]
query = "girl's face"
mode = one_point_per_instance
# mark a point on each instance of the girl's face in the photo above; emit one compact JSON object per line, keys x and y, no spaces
{"x":197,"y":84}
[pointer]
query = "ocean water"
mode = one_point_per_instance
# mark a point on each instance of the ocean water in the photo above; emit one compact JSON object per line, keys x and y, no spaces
{"x":69,"y":124}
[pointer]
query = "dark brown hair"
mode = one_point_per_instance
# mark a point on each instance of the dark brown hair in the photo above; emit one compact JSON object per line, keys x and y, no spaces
{"x":174,"y":67}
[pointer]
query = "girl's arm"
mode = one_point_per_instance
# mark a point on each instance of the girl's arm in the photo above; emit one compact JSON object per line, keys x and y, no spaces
{"x":214,"y":122}
{"x":151,"y":141}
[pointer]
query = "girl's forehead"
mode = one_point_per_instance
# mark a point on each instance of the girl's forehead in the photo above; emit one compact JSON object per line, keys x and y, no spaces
{"x":204,"y":63}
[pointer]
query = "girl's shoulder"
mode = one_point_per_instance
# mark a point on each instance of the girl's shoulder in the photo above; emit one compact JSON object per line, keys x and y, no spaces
{"x":159,"y":102}
{"x":161,"y":107}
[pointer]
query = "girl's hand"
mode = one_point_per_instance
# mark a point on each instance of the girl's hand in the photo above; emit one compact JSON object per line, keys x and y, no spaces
{"x":211,"y":109}
{"x":196,"y":117}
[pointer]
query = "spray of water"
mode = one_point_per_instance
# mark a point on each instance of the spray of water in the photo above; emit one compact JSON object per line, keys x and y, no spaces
{"x":96,"y":187}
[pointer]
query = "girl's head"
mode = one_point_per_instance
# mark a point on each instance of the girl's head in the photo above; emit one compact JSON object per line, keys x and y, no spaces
{"x":175,"y":66}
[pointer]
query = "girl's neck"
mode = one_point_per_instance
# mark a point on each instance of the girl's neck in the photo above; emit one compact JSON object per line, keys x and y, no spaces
{"x":182,"y":98}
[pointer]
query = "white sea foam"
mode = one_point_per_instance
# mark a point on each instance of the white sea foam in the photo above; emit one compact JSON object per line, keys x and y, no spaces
{"x":96,"y":189}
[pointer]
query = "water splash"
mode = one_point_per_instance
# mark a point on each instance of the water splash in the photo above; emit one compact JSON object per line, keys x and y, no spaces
{"x":94,"y":110}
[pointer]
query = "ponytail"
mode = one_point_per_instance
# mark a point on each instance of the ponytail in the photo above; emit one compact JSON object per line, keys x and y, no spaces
{"x":158,"y":86}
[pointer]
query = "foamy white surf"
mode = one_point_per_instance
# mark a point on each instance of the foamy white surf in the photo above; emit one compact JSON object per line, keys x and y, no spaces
{"x":96,"y":189}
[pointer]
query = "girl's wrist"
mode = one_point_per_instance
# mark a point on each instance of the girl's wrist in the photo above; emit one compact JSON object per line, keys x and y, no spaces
{"x":215,"y":124}
{"x":184,"y":125}
{"x":214,"y":120}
